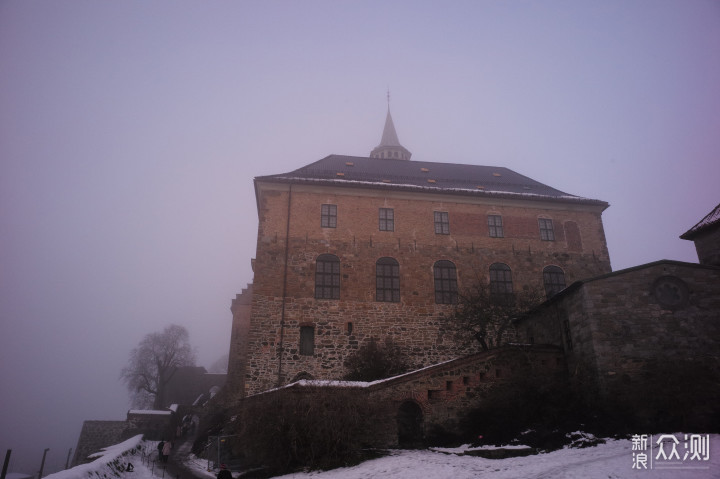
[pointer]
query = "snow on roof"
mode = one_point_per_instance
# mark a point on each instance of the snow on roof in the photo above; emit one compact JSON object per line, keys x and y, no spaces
{"x":148,"y":411}
{"x":431,"y":177}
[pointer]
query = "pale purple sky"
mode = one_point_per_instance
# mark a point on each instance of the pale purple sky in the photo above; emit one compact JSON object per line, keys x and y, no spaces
{"x":130,"y":132}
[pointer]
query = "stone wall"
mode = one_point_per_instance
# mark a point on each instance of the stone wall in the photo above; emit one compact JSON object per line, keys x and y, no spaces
{"x":283,"y":299}
{"x":707,"y":245}
{"x":155,"y":425}
{"x":240,"y":308}
{"x":442,"y":393}
{"x":618,"y":324}
{"x":94,"y":436}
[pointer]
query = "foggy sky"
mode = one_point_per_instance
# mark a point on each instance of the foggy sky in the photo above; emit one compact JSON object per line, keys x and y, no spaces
{"x":130,"y":132}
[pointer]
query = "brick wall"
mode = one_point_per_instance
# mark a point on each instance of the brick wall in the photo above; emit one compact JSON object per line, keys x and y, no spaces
{"x":415,"y":323}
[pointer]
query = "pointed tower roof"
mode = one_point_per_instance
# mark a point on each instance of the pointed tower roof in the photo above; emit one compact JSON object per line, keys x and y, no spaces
{"x":389,"y":136}
{"x":390,"y":146}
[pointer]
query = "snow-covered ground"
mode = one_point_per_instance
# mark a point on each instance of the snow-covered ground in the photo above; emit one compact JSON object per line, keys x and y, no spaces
{"x":612,"y":460}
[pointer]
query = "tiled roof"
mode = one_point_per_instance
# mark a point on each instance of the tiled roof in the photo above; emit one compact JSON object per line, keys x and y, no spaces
{"x":429,"y":177}
{"x":711,"y":219}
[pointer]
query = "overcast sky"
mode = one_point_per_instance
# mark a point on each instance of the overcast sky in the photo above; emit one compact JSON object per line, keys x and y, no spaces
{"x":130,"y":132}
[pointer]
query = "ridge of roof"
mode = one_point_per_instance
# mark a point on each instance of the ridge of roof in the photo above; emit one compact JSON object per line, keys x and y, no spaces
{"x":454,"y":178}
{"x":710,"y":219}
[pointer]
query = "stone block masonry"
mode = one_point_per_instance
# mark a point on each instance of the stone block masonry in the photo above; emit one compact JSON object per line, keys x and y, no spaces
{"x":283,"y":293}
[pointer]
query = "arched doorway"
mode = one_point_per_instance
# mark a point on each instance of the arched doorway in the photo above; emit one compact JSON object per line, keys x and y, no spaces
{"x":410,"y":425}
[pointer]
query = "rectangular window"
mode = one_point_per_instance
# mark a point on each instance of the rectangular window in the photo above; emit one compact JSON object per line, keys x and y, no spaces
{"x":307,"y":340}
{"x":546,"y":229}
{"x":495,"y":226}
{"x":568,"y":338}
{"x":328,"y":216}
{"x":387,"y":219}
{"x":442,"y":223}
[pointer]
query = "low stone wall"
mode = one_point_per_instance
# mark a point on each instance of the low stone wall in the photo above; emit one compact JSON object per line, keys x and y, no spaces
{"x":96,"y":435}
{"x":439,"y":395}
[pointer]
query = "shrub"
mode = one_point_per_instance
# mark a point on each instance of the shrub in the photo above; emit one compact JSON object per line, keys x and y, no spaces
{"x":375,"y":361}
{"x":290,"y":430}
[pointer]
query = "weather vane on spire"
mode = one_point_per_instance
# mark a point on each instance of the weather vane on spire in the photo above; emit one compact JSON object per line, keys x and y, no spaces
{"x":388,"y":97}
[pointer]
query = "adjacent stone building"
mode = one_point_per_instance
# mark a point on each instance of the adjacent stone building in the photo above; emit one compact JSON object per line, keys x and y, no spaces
{"x":354,"y":249}
{"x":706,"y":236}
{"x":618,"y":325}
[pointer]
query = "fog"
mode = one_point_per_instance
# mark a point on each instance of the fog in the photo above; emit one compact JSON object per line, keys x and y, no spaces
{"x":130,"y":133}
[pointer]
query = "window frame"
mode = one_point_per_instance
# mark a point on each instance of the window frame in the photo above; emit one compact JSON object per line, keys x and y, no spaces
{"x":442,"y":222}
{"x":446,"y":287}
{"x":387,"y":280}
{"x":501,"y":279}
{"x":495,"y":229}
{"x":306,"y":347}
{"x":547,"y":230}
{"x":328,"y":215}
{"x":327,"y":281}
{"x":386,"y":223}
{"x":552,"y":285}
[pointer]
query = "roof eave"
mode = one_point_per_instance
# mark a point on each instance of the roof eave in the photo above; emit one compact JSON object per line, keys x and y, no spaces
{"x":432,"y":190}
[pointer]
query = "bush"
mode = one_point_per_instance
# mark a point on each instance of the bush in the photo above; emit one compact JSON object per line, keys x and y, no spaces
{"x":536,"y":404}
{"x":308,"y":429}
{"x":375,"y":361}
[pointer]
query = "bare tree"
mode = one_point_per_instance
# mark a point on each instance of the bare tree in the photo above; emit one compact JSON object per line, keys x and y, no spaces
{"x":153,"y":363}
{"x":485,"y":315}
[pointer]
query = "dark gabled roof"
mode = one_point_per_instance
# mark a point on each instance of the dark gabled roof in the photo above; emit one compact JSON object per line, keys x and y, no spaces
{"x":710,"y":220}
{"x":424,"y":176}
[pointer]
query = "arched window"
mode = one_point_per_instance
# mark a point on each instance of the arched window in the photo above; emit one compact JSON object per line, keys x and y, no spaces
{"x":327,"y":277}
{"x":500,"y":279}
{"x":445,"y":282}
{"x":387,"y":280}
{"x":554,"y":280}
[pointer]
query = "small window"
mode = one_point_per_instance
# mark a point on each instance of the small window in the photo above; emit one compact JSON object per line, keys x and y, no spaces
{"x":546,"y":229}
{"x":445,"y":282}
{"x":554,"y":280}
{"x":328,"y":216}
{"x":448,"y":385}
{"x":466,"y":380}
{"x":500,"y":279}
{"x":387,"y":219}
{"x":327,"y":277}
{"x":387,"y":280}
{"x":349,"y":327}
{"x":568,"y":338}
{"x":307,"y":340}
{"x":442,"y":223}
{"x":495,"y":226}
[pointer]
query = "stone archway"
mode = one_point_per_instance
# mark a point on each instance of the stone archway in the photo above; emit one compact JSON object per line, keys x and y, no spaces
{"x":410,"y":425}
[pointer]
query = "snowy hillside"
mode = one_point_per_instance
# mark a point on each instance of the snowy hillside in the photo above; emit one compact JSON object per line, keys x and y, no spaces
{"x":612,"y":460}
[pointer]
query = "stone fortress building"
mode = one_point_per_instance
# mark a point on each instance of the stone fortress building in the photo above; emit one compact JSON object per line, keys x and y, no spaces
{"x":354,"y":249}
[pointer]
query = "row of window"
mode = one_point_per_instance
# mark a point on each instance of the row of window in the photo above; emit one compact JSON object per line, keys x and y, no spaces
{"x":387,"y":279}
{"x":386,"y":222}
